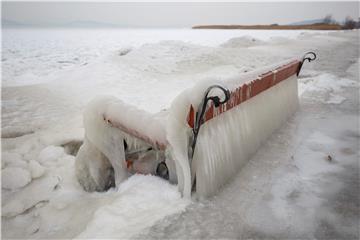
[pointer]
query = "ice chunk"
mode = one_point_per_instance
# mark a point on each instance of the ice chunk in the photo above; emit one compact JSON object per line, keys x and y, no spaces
{"x":39,"y":190}
{"x":36,"y":169}
{"x":50,"y":154}
{"x":15,"y":177}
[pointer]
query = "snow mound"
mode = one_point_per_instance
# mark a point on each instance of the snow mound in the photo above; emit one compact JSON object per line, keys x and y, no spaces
{"x":50,"y":154}
{"x":141,"y":201}
{"x":36,"y":169}
{"x":15,"y":177}
{"x":242,"y":42}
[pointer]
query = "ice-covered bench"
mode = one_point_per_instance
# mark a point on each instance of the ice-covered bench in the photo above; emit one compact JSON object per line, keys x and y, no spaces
{"x":209,"y":132}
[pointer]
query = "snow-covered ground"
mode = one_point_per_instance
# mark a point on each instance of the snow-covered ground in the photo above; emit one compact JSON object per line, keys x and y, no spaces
{"x":302,"y":183}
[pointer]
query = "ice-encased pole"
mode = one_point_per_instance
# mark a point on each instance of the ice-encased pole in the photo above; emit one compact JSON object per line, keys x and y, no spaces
{"x":201,"y":111}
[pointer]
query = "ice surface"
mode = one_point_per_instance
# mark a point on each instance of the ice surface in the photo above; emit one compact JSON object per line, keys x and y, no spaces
{"x":243,"y":42}
{"x":288,"y":190}
{"x":326,"y":87}
{"x":325,"y":83}
{"x":59,"y":50}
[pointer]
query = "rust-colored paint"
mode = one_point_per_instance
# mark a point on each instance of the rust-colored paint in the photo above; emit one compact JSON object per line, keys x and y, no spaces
{"x":191,"y":117}
{"x":267,"y":80}
{"x":209,"y":114}
{"x":244,"y":92}
{"x":249,"y":90}
{"x":238,"y":96}
{"x":129,"y":164}
{"x":153,"y":142}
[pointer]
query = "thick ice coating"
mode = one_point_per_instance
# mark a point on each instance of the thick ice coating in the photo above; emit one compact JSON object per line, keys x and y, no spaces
{"x":266,"y":98}
{"x":109,"y":123}
{"x":226,"y":142}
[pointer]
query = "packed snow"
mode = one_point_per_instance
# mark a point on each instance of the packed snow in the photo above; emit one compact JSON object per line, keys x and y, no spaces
{"x":302,"y":183}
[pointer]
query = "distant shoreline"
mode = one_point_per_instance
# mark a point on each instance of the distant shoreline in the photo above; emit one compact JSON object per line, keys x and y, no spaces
{"x":316,"y":26}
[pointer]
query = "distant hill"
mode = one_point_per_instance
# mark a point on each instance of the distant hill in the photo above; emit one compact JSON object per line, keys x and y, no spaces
{"x":315,"y":26}
{"x":75,"y":24}
{"x":89,"y":24}
{"x":308,"y":22}
{"x":12,"y":24}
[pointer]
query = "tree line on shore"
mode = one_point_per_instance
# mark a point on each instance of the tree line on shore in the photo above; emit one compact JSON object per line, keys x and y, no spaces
{"x":348,"y":23}
{"x":327,"y":23}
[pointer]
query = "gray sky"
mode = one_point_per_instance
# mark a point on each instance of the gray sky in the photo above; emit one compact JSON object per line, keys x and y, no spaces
{"x":184,"y":14}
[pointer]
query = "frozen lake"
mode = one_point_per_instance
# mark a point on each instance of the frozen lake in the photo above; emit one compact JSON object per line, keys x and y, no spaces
{"x":34,"y":55}
{"x":290,"y":189}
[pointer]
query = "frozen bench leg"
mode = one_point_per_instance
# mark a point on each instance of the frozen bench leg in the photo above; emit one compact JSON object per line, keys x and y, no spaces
{"x":103,"y":145}
{"x":93,"y":170}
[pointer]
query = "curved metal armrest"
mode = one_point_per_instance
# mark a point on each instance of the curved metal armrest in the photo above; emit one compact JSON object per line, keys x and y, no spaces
{"x":309,"y":56}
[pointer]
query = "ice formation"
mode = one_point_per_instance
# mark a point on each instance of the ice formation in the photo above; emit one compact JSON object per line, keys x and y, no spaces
{"x":227,"y":141}
{"x":109,"y":124}
{"x":36,"y":169}
{"x":115,"y":129}
{"x":15,"y":177}
{"x":50,"y":154}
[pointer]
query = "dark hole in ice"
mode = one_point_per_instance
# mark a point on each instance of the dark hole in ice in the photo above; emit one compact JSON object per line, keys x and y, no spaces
{"x":72,"y":147}
{"x":125,"y":145}
{"x":111,"y":179}
{"x":124,"y":51}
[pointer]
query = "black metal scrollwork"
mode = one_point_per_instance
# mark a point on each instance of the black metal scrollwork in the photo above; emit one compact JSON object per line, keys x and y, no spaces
{"x":309,"y":56}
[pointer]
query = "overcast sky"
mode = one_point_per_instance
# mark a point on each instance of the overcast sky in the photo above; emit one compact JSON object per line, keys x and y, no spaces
{"x":184,"y":14}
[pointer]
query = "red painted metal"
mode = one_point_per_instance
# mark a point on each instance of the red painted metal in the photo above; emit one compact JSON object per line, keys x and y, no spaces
{"x":249,"y":90}
{"x":191,"y":117}
{"x":237,"y":96}
{"x":154,"y":142}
